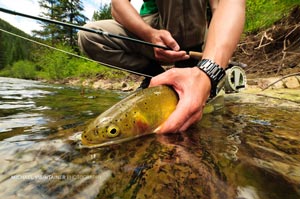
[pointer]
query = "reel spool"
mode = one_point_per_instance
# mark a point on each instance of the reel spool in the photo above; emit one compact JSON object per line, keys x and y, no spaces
{"x":235,"y":79}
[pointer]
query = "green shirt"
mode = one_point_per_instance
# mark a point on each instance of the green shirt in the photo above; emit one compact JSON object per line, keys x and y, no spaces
{"x":148,"y":7}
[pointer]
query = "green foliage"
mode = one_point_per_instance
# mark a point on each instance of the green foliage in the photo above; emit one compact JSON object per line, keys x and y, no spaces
{"x":21,"y":69}
{"x":104,"y":12}
{"x":55,"y":65}
{"x":11,"y":48}
{"x":263,"y":13}
{"x":87,"y":68}
{"x":41,"y":62}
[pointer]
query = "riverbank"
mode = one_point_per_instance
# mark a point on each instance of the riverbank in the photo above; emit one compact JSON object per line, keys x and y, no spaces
{"x":127,"y":83}
{"x":132,"y":82}
{"x":269,"y":53}
{"x":291,"y":81}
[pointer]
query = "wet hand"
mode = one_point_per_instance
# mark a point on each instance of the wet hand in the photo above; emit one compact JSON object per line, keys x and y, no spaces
{"x":193,"y":88}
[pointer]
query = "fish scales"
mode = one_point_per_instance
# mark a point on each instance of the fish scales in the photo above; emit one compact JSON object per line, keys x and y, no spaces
{"x":138,"y":114}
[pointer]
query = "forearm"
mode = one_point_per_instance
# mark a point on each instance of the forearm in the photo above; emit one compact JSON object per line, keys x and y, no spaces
{"x":213,"y":5}
{"x":124,"y":13}
{"x":224,"y":32}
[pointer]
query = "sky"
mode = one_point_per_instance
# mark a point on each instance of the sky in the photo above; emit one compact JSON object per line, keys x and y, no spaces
{"x":31,"y":7}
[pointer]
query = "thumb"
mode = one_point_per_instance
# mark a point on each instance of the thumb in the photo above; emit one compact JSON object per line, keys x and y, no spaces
{"x":170,"y":42}
{"x":163,"y":78}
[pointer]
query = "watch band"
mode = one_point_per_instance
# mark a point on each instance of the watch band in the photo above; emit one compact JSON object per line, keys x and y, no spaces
{"x":214,"y":72}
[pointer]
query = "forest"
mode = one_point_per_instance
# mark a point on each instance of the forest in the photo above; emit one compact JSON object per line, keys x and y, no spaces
{"x":24,"y":59}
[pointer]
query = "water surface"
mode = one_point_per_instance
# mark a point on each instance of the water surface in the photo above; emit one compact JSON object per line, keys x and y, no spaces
{"x":249,"y":149}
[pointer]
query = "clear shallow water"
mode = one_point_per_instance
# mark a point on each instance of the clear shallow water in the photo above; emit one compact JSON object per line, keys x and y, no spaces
{"x":250,"y":149}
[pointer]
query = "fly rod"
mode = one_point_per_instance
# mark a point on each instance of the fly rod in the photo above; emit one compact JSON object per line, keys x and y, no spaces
{"x":75,"y":55}
{"x":193,"y":54}
{"x":85,"y":29}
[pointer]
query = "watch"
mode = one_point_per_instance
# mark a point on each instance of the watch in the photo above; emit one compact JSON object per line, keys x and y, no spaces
{"x":214,"y":72}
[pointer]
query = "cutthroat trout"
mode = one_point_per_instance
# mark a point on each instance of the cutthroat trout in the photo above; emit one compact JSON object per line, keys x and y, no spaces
{"x":138,"y":114}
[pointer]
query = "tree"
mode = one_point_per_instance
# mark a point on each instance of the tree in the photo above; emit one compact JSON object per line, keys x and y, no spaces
{"x":104,"y":12}
{"x":61,"y":10}
{"x":71,"y":12}
{"x":11,"y":48}
{"x":49,"y":31}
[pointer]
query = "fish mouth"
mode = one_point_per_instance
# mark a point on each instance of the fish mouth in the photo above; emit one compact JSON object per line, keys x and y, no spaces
{"x":88,"y":145}
{"x":85,"y":142}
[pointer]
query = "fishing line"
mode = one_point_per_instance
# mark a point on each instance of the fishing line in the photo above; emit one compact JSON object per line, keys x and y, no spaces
{"x":192,"y":54}
{"x":85,"y":29}
{"x":75,"y":55}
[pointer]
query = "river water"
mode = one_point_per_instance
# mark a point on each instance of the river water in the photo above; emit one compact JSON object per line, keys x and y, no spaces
{"x":250,"y":149}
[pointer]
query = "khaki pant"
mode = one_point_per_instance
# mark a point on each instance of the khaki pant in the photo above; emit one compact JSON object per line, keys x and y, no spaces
{"x":185,"y":19}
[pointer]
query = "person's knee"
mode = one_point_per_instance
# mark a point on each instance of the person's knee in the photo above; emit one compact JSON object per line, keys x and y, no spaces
{"x":81,"y":38}
{"x":82,"y":34}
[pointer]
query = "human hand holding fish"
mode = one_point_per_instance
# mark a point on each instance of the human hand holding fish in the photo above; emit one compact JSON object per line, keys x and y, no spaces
{"x":141,"y":113}
{"x":138,"y":114}
{"x":189,"y":109}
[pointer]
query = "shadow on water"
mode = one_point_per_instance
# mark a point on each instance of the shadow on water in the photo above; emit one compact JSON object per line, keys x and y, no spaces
{"x":249,"y":150}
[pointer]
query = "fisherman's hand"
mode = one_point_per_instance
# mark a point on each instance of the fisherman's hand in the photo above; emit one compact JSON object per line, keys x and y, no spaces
{"x":193,"y":87}
{"x":164,"y":38}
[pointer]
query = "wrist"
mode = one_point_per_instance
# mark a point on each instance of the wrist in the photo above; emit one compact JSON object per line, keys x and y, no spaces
{"x":203,"y":81}
{"x":214,"y":72}
{"x":146,"y":33}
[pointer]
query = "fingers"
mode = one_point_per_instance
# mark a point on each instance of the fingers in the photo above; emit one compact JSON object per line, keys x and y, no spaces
{"x":163,"y":37}
{"x":169,"y":41}
{"x":175,"y":121}
{"x":193,"y":88}
{"x":167,"y":77}
{"x":170,"y":55}
{"x":181,"y":118}
{"x":187,"y":110}
{"x":194,"y":118}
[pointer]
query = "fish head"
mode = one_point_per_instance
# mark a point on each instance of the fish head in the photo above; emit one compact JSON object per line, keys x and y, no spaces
{"x":100,"y":131}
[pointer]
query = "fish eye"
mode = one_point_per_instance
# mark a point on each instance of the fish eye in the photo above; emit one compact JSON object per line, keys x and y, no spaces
{"x":113,"y":131}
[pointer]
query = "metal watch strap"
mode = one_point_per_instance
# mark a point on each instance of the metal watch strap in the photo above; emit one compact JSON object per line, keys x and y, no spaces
{"x":214,"y":72}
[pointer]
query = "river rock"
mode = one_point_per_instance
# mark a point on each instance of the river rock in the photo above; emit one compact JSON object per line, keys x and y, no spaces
{"x":264,"y":82}
{"x":291,"y":82}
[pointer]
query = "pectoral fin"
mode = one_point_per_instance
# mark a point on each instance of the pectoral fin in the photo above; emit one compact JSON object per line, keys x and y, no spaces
{"x":141,"y":123}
